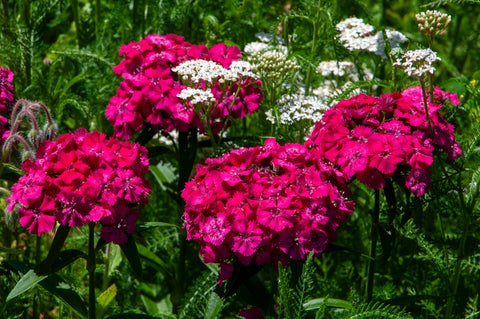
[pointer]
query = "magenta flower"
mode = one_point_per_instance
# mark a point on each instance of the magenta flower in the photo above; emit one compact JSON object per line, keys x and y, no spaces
{"x":82,"y":178}
{"x":6,"y":100}
{"x":375,"y":138}
{"x":148,"y":92}
{"x":262,"y":204}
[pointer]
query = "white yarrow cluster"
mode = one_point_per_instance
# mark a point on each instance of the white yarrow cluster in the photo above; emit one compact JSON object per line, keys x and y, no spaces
{"x":265,"y":44}
{"x":296,"y":107}
{"x":196,"y":70}
{"x":192,"y":71}
{"x":338,"y":68}
{"x":357,"y":35}
{"x":196,"y":96}
{"x":416,"y":63}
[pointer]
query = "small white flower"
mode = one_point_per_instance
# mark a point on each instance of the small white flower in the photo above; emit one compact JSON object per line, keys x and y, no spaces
{"x":416,"y":63}
{"x":433,"y":22}
{"x":196,"y":96}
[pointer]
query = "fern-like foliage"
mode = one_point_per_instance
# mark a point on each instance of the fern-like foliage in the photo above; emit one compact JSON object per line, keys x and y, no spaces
{"x":293,"y":295}
{"x":198,"y":296}
{"x":378,"y":310}
{"x":429,"y":251}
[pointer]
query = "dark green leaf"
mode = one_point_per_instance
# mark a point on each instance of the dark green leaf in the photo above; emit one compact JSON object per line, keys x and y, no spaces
{"x":130,"y":316}
{"x":131,"y":252}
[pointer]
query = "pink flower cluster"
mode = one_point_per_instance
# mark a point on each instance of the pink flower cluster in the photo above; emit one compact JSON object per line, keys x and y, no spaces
{"x":376,"y":138}
{"x":82,"y":178}
{"x":6,"y":98}
{"x":149,"y":88}
{"x":265,"y":203}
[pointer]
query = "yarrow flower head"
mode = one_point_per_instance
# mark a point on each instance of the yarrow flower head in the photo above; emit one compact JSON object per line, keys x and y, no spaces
{"x":357,"y":35}
{"x":296,"y":107}
{"x":153,"y":77}
{"x":433,"y":22}
{"x":83,"y":178}
{"x":264,"y":203}
{"x":416,"y":63}
{"x":373,"y":139}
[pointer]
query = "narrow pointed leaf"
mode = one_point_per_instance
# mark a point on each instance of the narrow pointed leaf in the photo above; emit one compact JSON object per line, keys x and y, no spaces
{"x":107,"y":296}
{"x":329,"y":302}
{"x":131,"y":252}
{"x":28,"y":281}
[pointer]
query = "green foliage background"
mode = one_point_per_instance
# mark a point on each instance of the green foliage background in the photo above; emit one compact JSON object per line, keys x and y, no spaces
{"x":62,"y":53}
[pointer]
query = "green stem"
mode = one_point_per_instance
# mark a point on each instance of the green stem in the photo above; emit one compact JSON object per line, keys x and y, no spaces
{"x":373,"y":246}
{"x":91,"y":271}
{"x":425,"y":105}
{"x":98,"y":12}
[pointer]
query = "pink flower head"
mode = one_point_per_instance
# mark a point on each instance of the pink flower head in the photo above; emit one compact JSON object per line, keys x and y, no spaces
{"x":262,"y":204}
{"x":251,"y":313}
{"x":6,"y":100}
{"x":374,"y":138}
{"x":148,"y":92}
{"x":81,"y":178}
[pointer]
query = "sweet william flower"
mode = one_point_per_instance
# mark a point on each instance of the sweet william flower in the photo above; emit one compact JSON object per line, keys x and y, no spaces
{"x":82,"y":178}
{"x":375,"y":138}
{"x":264,"y":204}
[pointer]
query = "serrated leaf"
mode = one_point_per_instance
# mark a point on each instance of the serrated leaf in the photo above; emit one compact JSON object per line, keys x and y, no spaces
{"x":213,"y":307}
{"x":27,"y":282}
{"x":107,"y":296}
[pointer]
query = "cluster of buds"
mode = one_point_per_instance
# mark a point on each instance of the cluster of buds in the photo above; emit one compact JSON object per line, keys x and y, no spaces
{"x":433,"y":22}
{"x":416,"y":63}
{"x":272,"y":65}
{"x":36,"y":135}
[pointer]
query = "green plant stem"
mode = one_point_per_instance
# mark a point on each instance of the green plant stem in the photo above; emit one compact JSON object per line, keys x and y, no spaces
{"x":91,"y":271}
{"x":373,"y":246}
{"x":98,"y":12}
{"x":425,"y":105}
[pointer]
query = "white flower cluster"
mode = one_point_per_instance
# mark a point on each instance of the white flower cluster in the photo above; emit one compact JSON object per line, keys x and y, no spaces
{"x":196,"y":70}
{"x":433,"y":22}
{"x":192,"y":71}
{"x":196,"y":96}
{"x":296,"y":107}
{"x":417,"y":62}
{"x":357,"y":35}
{"x":338,"y":68}
{"x":265,"y":44}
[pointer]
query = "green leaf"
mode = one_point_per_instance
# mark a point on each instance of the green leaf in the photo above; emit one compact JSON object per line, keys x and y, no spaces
{"x":163,"y":173}
{"x":66,"y":257}
{"x":28,"y":281}
{"x":10,"y":172}
{"x":59,"y":288}
{"x":329,"y":302}
{"x":114,"y":258}
{"x":52,"y":283}
{"x":155,"y":260}
{"x":151,"y":225}
{"x":107,"y":296}
{"x":12,"y":251}
{"x":131,"y":252}
{"x":213,"y":307}
{"x":46,"y":266}
{"x":131,"y":316}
